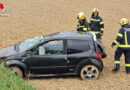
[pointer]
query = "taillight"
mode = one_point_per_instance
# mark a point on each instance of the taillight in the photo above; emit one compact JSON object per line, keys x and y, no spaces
{"x":99,"y":56}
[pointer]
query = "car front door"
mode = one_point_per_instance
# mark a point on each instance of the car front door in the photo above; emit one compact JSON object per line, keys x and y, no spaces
{"x":48,"y":58}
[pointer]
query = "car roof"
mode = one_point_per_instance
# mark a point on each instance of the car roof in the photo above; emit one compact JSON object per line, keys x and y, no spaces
{"x":70,"y":35}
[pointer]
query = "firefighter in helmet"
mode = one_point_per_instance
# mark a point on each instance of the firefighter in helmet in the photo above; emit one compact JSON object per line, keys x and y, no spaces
{"x":96,"y":23}
{"x":123,"y":39}
{"x":82,"y":23}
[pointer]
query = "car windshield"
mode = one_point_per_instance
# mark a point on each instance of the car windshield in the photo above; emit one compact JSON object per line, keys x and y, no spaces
{"x":29,"y":43}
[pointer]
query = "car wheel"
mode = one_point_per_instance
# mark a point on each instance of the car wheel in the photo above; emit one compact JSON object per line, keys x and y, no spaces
{"x":89,"y":72}
{"x":17,"y":71}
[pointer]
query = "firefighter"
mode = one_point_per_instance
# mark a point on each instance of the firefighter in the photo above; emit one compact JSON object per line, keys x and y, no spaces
{"x":82,"y":23}
{"x":96,"y":23}
{"x":123,"y":39}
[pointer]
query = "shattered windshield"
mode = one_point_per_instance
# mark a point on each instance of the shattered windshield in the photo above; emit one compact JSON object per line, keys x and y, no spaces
{"x":29,"y":43}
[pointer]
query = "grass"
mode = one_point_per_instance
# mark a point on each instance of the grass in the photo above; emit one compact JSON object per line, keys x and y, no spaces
{"x":9,"y":81}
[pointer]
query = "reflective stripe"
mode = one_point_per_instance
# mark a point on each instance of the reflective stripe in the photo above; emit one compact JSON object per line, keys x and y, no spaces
{"x":124,"y":46}
{"x":117,"y":62}
{"x":120,"y":35}
{"x":116,"y":42}
{"x":126,"y":43}
{"x":101,"y":23}
{"x":125,"y":38}
{"x":81,"y":26}
{"x":127,"y":65}
{"x":95,"y":19}
{"x":96,"y":32}
{"x":85,"y":29}
{"x":102,"y":29}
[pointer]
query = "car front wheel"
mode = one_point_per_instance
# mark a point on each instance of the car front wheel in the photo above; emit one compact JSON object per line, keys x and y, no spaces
{"x":17,"y":71}
{"x":89,"y":72}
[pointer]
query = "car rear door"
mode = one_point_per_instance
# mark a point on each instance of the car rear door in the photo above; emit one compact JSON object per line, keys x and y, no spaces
{"x":48,"y":58}
{"x":78,"y":50}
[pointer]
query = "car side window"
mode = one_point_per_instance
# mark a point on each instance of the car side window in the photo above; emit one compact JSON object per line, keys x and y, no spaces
{"x":77,"y":46}
{"x":50,"y":48}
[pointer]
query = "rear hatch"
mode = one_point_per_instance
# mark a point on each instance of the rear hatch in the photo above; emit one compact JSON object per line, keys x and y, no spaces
{"x":100,"y":48}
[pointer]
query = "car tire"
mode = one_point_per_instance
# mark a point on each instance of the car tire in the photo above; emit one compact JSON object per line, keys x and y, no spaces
{"x":89,"y":72}
{"x":17,"y":71}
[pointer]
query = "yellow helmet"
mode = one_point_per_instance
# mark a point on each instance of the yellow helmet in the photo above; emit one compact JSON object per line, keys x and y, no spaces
{"x":81,"y":15}
{"x":124,"y":21}
{"x":95,"y":10}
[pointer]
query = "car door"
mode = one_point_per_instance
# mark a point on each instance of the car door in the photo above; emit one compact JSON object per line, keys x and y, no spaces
{"x":78,"y":50}
{"x":49,"y":57}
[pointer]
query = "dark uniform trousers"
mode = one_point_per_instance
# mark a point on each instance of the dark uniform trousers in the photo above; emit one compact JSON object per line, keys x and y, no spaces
{"x":118,"y":54}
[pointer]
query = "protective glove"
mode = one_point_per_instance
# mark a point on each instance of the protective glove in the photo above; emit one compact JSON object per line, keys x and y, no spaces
{"x":101,"y":34}
{"x":80,"y":29}
{"x":113,"y":44}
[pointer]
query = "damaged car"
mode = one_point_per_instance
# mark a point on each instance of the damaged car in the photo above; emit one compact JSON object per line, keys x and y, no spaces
{"x":57,"y":54}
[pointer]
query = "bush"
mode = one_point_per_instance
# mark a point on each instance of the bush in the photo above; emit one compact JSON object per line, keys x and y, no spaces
{"x":9,"y":81}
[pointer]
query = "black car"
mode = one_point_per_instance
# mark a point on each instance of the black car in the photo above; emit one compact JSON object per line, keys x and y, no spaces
{"x":59,"y":53}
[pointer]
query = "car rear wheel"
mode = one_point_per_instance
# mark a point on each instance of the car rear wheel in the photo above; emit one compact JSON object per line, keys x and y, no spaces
{"x":17,"y":71}
{"x":89,"y":72}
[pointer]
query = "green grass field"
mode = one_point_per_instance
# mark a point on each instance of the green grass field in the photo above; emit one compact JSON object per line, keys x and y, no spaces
{"x":9,"y":81}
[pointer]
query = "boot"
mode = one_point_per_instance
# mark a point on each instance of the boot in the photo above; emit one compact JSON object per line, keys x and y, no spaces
{"x":128,"y":73}
{"x":115,"y":70}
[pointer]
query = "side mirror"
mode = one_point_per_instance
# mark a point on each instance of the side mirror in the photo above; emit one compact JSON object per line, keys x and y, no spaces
{"x":28,"y":53}
{"x":23,"y":54}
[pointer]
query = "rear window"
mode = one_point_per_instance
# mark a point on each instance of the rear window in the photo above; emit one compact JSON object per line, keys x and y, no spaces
{"x":77,"y":46}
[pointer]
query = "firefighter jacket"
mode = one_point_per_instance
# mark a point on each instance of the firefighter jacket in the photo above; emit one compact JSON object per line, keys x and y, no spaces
{"x":96,"y":25}
{"x":82,"y":25}
{"x":123,"y":38}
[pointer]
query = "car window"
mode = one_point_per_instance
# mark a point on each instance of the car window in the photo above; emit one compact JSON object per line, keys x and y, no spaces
{"x":29,"y":43}
{"x":77,"y":46}
{"x":50,"y":48}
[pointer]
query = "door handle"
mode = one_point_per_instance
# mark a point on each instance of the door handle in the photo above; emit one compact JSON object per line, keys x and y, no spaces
{"x":67,"y":60}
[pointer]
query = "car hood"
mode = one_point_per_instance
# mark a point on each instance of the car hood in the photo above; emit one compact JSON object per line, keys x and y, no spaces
{"x":8,"y":51}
